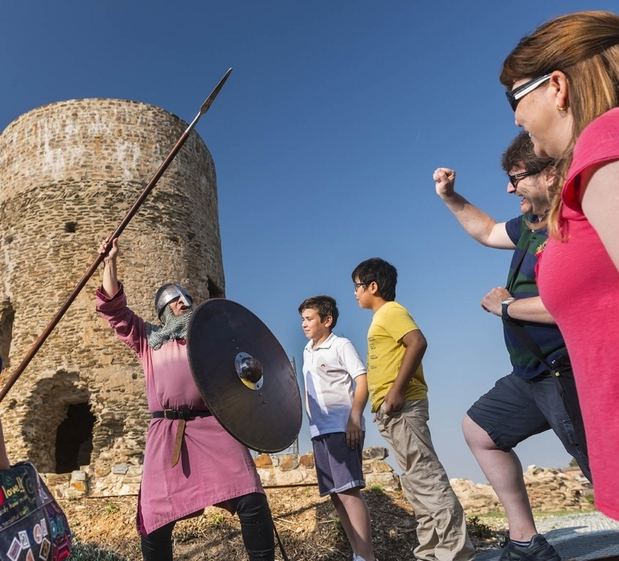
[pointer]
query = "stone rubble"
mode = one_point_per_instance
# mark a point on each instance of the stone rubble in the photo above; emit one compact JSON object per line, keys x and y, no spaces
{"x":550,"y":490}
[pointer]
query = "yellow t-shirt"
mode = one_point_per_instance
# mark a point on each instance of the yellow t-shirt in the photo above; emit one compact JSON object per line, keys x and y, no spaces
{"x":386,"y":351}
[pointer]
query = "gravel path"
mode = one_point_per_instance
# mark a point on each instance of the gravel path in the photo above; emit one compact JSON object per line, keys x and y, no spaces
{"x":581,"y":537}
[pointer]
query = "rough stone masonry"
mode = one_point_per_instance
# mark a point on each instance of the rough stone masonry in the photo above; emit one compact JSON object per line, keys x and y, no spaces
{"x":69,"y":172}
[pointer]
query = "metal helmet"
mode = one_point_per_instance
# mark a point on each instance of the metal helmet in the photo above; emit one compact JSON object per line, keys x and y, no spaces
{"x":168,"y":293}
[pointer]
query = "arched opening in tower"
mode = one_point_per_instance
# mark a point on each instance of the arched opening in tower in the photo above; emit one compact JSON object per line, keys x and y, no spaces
{"x":74,"y":438}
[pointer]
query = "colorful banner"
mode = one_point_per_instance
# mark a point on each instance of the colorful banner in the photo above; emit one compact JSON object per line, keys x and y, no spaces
{"x":32,"y":525}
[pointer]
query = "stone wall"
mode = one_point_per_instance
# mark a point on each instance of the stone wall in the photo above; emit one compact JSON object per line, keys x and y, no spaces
{"x":550,"y":490}
{"x":274,"y":470}
{"x":69,"y":172}
{"x":292,"y":469}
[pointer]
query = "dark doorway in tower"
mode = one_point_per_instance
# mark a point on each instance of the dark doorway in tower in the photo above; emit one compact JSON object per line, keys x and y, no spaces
{"x":74,"y":438}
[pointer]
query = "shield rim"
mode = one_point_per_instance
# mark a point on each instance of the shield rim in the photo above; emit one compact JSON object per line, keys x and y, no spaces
{"x":208,"y":402}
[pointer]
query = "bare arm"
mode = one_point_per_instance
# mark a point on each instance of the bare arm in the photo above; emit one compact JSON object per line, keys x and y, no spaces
{"x":600,"y":203}
{"x":525,"y":309}
{"x":360,"y":398}
{"x":416,"y":346}
{"x":479,"y":225}
{"x":110,"y":278}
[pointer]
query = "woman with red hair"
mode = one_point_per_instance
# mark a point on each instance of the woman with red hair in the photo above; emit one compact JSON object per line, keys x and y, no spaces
{"x":563,"y":84}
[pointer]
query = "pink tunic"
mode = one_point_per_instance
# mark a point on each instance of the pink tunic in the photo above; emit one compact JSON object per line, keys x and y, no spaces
{"x":579,"y":285}
{"x":213,"y":468}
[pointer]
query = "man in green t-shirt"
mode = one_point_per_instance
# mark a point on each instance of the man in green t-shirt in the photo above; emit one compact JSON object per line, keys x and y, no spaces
{"x":539,"y":394}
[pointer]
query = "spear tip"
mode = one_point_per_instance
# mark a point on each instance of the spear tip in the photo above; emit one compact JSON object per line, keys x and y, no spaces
{"x":209,"y":100}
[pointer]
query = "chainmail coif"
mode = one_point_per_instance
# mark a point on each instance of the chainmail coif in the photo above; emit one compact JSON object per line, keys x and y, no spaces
{"x":172,"y":327}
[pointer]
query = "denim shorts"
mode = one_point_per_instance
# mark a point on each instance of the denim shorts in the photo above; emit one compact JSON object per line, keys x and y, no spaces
{"x":338,"y":467}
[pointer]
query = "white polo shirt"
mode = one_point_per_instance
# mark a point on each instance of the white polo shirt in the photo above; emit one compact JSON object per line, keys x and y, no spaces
{"x":329,"y":371}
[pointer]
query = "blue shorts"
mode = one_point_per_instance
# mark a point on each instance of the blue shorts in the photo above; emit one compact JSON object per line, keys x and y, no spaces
{"x":338,"y":467}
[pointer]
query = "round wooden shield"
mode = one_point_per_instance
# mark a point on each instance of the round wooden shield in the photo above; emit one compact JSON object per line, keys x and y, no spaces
{"x":244,"y":375}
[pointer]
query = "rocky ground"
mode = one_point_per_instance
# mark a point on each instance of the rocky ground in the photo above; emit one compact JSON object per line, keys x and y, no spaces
{"x":306,"y":523}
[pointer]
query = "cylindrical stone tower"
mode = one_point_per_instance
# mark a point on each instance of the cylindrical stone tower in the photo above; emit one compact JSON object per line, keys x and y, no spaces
{"x":69,"y":172}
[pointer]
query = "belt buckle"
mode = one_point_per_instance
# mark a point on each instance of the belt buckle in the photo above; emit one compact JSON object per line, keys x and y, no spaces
{"x":168,"y":414}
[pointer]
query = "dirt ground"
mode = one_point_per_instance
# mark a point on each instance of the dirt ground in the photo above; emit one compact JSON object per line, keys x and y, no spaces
{"x":307,"y":526}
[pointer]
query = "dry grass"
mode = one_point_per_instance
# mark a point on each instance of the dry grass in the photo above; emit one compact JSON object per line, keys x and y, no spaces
{"x":306,"y":523}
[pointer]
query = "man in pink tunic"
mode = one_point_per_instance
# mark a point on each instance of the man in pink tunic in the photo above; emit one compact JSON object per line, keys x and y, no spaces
{"x":190,"y":461}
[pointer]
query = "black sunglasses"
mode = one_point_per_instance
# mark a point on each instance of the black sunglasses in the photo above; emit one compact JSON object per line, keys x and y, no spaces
{"x":514,"y":96}
{"x":514,"y":179}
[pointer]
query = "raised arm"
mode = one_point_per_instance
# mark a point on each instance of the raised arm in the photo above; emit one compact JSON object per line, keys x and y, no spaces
{"x":475,"y":221}
{"x":110,"y":278}
{"x":112,"y":305}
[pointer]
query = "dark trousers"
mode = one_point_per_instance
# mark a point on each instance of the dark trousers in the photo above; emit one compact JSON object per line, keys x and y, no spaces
{"x":256,"y":528}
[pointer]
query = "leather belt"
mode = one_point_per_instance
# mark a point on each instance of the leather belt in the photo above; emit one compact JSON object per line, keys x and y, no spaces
{"x":182,"y":416}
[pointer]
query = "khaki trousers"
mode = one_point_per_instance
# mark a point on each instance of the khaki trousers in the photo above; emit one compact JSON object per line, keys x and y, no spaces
{"x":441,"y":525}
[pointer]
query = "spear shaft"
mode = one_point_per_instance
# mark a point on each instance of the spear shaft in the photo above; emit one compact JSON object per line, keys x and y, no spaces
{"x":120,"y":228}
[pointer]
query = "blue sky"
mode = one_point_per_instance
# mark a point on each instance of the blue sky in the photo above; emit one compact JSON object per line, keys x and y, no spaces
{"x":325,"y":139}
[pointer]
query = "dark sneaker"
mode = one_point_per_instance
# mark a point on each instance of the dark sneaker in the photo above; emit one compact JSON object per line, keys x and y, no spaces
{"x":538,"y":550}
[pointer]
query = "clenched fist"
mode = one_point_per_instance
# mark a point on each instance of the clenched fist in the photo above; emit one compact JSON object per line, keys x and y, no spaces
{"x":444,"y":181}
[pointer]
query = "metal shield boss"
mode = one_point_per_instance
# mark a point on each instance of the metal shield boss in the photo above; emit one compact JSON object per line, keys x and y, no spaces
{"x":244,"y":375}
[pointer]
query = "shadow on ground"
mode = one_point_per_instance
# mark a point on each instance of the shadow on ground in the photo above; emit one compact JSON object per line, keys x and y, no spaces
{"x":309,"y":533}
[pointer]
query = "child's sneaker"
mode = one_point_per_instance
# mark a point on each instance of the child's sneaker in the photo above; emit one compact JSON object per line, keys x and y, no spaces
{"x":538,"y":550}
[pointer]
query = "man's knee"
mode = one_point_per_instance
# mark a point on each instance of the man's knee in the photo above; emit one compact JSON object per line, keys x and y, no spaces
{"x":476,"y":436}
{"x":469,"y":429}
{"x":253,"y":506}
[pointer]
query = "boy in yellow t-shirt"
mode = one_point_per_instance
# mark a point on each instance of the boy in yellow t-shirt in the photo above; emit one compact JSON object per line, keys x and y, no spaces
{"x":398,"y":392}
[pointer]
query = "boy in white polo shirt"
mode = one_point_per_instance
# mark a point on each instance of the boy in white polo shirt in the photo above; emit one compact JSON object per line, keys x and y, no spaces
{"x":336,"y":392}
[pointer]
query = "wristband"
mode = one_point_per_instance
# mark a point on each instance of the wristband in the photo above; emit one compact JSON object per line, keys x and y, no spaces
{"x":504,"y":306}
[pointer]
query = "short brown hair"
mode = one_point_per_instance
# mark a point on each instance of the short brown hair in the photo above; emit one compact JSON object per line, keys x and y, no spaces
{"x":324,"y":305}
{"x":520,"y":151}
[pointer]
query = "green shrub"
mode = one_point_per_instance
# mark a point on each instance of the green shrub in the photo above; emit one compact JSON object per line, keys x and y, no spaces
{"x":217,"y":518}
{"x":478,"y":529}
{"x":111,"y":508}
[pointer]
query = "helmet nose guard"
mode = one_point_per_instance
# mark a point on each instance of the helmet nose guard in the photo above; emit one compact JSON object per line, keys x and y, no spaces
{"x":168,"y":293}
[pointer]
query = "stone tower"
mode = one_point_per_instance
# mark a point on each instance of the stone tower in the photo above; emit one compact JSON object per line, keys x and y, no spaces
{"x":69,"y":172}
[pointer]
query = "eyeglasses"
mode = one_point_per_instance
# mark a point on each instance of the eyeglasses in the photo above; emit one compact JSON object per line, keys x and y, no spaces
{"x":514,"y":179}
{"x":359,"y":284}
{"x":514,"y":96}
